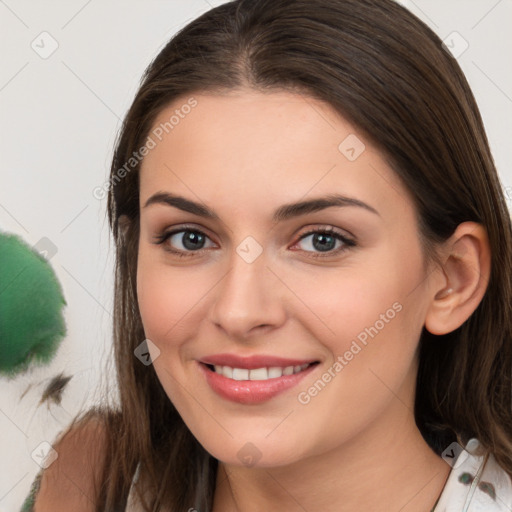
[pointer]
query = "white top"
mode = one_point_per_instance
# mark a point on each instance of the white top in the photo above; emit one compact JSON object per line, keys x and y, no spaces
{"x":475,"y":483}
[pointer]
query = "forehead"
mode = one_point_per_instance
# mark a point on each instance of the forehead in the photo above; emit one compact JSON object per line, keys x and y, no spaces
{"x":278,"y":146}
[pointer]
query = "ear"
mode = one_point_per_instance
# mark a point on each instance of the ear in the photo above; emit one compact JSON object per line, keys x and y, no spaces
{"x":466,"y":271}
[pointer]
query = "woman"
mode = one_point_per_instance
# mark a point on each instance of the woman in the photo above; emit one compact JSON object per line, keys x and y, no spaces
{"x":313,"y":279}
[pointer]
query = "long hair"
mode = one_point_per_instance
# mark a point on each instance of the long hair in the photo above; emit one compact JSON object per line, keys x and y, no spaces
{"x":389,"y":75}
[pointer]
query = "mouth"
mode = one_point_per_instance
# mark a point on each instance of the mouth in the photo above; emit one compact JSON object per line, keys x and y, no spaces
{"x":256,"y":385}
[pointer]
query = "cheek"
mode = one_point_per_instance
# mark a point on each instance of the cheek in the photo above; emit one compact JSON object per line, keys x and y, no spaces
{"x":369,"y":315}
{"x":372,"y":353}
{"x":165,"y":296}
{"x":347,"y":303}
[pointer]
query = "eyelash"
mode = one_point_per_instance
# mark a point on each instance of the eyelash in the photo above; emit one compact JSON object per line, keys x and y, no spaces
{"x":164,"y":236}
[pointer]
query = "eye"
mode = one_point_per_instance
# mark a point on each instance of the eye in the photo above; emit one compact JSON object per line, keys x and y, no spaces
{"x":324,"y":240}
{"x":187,"y":240}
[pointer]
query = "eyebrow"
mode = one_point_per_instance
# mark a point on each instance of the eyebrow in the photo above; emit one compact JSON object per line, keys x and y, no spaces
{"x":282,"y":213}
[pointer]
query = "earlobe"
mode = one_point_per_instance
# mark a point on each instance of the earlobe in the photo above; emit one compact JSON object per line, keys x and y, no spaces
{"x":466,"y":270}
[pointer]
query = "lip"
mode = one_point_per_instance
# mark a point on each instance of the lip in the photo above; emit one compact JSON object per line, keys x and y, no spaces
{"x":251,"y":391}
{"x":253,"y":362}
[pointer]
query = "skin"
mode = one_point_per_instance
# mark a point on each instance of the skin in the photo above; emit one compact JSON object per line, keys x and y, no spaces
{"x":354,"y":446}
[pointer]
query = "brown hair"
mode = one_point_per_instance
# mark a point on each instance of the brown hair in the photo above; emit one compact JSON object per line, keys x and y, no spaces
{"x":387,"y":73}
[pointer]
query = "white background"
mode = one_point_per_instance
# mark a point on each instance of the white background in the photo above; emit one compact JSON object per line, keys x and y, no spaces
{"x":59,"y":118}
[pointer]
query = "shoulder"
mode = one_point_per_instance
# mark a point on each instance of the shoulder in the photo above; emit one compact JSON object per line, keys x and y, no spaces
{"x":71,"y":481}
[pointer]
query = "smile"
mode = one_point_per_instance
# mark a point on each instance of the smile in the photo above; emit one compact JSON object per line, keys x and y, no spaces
{"x":256,"y":385}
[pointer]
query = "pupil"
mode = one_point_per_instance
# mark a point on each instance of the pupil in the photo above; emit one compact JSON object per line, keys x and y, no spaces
{"x":190,"y":238}
{"x":325,"y":242}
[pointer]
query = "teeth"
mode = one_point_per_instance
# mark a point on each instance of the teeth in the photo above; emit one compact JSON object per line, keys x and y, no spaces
{"x":275,"y":372}
{"x":240,"y":374}
{"x":258,"y":373}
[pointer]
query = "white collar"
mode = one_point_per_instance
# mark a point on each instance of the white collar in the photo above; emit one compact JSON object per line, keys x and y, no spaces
{"x":476,"y":483}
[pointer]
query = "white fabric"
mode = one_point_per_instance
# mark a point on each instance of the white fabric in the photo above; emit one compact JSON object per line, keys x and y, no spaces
{"x":458,"y":496}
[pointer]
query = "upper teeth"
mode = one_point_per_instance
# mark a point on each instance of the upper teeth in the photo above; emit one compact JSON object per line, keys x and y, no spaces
{"x":258,"y":373}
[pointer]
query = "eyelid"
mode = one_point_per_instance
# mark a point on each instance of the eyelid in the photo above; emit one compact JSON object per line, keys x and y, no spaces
{"x":183,"y":227}
{"x":326,"y":228}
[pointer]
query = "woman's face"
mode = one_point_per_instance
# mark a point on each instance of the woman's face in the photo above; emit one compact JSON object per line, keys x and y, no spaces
{"x":254,"y":280}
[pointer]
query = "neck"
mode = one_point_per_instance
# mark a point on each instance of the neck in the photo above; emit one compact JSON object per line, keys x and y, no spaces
{"x":385,"y":467}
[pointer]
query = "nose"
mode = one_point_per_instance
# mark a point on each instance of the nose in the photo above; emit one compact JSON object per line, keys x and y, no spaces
{"x":249,"y":300}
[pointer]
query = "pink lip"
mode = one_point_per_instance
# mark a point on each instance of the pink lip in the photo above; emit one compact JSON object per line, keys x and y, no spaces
{"x":252,"y":362}
{"x":251,"y":391}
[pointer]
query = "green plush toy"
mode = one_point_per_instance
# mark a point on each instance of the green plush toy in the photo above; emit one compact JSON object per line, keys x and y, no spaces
{"x":31,"y":321}
{"x":31,"y":303}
